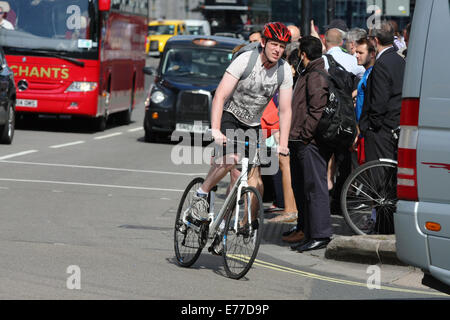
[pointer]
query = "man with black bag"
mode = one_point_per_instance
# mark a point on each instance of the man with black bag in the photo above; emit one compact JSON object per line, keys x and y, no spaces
{"x":309,"y":157}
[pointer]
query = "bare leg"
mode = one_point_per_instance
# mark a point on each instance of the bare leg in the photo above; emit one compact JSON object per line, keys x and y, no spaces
{"x":255,"y":180}
{"x":289,"y":199}
{"x":218,"y":171}
{"x":331,"y":172}
{"x":234,"y":175}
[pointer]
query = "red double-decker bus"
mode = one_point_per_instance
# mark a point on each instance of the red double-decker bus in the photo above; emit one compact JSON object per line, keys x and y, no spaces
{"x":77,"y":57}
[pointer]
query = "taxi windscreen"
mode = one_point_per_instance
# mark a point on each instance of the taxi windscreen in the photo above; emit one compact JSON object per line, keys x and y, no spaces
{"x":161,"y":29}
{"x":196,"y":62}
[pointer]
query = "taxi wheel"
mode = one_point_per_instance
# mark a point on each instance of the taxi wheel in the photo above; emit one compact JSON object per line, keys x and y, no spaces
{"x":7,"y":130}
{"x":150,"y":136}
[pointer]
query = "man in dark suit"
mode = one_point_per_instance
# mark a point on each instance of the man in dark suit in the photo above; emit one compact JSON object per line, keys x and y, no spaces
{"x":383,"y":98}
{"x":381,"y":108}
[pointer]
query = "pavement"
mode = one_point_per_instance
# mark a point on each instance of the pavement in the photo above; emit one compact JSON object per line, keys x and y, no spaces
{"x":344,"y":245}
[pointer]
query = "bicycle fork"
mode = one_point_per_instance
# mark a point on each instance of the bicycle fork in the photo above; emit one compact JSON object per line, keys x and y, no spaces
{"x":239,"y":201}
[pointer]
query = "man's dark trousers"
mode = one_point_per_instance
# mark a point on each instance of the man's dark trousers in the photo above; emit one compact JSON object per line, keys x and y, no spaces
{"x":309,"y":183}
{"x":380,"y":144}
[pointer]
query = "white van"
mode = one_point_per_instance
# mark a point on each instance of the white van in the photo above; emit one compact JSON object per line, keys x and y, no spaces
{"x":198,"y":27}
{"x":422,"y":220}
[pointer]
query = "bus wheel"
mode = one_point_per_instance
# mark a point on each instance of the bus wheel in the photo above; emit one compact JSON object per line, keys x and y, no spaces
{"x":125,"y":116}
{"x":99,"y":123}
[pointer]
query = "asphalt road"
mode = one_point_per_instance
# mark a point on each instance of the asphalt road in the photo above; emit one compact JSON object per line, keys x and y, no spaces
{"x":90,"y":216}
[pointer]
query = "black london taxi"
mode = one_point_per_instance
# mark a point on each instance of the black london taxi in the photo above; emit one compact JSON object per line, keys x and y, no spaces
{"x":188,"y":74}
{"x":7,"y":101}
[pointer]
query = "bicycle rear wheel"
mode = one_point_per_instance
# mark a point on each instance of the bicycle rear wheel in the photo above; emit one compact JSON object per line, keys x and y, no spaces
{"x":369,"y":198}
{"x":188,"y":242}
{"x":241,"y":244}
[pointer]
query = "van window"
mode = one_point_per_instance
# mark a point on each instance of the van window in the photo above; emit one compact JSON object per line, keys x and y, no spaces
{"x":198,"y":30}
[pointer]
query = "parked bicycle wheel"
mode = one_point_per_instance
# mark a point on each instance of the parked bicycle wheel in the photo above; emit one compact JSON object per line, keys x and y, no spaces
{"x":188,"y":240}
{"x":241,"y":243}
{"x":369,"y":197}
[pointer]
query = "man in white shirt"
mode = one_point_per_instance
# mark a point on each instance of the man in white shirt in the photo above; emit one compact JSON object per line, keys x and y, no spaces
{"x":5,"y":24}
{"x":333,"y":41}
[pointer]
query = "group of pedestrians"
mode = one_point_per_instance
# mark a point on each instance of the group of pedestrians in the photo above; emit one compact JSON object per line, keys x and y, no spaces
{"x":376,"y":60}
{"x":310,"y":170}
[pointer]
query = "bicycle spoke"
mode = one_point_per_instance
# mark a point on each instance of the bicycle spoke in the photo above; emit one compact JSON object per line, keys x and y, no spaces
{"x":369,"y":197}
{"x":187,"y":241}
{"x":368,"y":184}
{"x":241,"y":246}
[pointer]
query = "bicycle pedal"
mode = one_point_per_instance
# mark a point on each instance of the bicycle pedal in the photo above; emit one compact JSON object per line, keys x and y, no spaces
{"x":214,"y":250}
{"x":215,"y":247}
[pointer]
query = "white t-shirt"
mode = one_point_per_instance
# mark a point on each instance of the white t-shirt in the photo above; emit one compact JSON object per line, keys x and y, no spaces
{"x":5,"y":24}
{"x":252,"y":95}
{"x":348,"y":61}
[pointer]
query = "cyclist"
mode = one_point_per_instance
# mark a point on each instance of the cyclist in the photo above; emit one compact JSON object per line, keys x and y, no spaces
{"x":238,"y":104}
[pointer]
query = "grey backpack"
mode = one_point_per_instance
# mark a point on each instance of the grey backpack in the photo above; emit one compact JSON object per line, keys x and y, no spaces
{"x":256,"y":48}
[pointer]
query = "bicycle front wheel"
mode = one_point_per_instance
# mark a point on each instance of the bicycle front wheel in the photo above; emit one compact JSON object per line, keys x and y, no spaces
{"x":241,"y":239}
{"x":188,"y":243}
{"x":369,"y":198}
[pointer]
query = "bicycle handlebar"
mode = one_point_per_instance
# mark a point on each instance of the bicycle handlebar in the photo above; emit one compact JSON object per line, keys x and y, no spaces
{"x":246,"y":143}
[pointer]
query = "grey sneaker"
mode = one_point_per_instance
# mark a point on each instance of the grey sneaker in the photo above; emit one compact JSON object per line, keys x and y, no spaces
{"x":199,"y":207}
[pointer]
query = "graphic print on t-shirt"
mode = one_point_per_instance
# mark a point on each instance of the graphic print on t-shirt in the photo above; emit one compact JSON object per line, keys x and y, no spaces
{"x":250,"y":98}
{"x":253,"y":94}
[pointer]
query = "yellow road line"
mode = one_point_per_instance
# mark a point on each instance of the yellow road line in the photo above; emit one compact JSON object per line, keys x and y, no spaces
{"x":276,"y":267}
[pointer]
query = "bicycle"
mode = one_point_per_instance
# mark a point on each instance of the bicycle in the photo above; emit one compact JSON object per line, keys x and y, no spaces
{"x":240,"y":239}
{"x":369,"y":197}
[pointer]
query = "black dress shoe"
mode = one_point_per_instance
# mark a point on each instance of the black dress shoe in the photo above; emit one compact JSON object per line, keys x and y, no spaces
{"x":299,"y":244}
{"x":313,"y":244}
{"x":290,"y":231}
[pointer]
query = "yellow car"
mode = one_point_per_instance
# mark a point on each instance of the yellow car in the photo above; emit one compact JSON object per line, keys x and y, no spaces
{"x":159,"y":32}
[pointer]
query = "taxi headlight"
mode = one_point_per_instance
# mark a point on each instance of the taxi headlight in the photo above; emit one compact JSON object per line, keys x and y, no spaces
{"x":158,"y":97}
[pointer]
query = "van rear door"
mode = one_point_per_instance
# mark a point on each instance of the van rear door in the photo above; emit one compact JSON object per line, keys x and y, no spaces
{"x":433,"y":144}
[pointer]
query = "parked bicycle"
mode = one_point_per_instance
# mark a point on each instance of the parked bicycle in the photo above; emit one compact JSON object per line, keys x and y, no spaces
{"x":369,"y":197}
{"x":232,"y":232}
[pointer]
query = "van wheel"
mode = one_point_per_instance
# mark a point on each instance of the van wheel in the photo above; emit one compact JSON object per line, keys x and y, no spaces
{"x":7,"y":130}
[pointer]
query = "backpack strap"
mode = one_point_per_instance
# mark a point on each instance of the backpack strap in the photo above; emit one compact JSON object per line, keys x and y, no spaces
{"x":332,"y":62}
{"x":280,"y":72}
{"x":251,"y":63}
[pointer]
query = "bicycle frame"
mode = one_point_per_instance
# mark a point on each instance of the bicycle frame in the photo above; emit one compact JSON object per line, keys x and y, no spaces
{"x":241,"y":182}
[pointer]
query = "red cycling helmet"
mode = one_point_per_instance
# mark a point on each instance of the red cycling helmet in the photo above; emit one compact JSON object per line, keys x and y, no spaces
{"x":277,"y":31}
